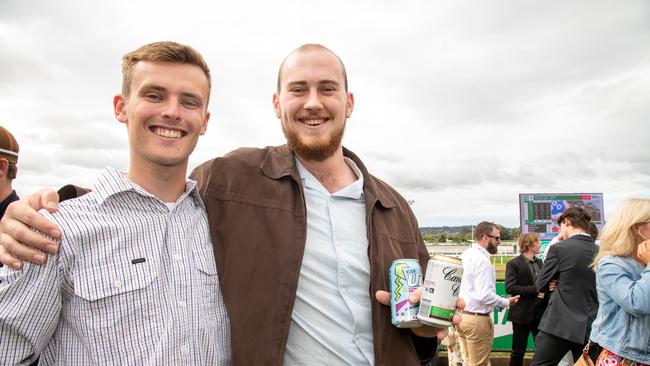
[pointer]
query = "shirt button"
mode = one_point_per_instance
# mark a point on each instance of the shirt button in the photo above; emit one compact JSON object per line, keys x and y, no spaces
{"x":185,"y":350}
{"x":177,"y":258}
{"x":117,"y":283}
{"x":181,"y":304}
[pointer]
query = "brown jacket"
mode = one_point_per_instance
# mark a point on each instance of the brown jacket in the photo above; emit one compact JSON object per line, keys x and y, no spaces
{"x":257,"y":216}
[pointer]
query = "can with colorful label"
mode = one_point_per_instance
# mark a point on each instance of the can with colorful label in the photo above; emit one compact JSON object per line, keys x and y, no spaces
{"x":405,"y":277}
{"x":441,"y":288}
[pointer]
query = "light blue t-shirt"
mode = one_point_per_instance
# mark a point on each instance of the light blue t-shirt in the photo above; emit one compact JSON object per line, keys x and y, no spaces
{"x":331,"y":320}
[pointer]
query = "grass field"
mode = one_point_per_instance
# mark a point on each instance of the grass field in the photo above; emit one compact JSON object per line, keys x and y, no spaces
{"x":499,"y":263}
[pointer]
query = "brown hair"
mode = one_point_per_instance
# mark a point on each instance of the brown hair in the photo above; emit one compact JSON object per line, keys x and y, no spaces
{"x":593,"y":230}
{"x":310,"y":47}
{"x":526,"y":241}
{"x":484,"y":228}
{"x":163,"y":52}
{"x":578,"y":216}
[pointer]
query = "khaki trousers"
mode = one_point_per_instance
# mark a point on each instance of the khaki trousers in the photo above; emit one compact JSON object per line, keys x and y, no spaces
{"x":476,"y":334}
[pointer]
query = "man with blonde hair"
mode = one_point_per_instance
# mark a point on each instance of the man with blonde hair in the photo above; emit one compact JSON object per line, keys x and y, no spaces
{"x":135,"y":280}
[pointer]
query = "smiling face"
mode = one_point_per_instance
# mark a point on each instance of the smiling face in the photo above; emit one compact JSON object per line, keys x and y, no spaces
{"x":165,"y":113}
{"x":312,"y":103}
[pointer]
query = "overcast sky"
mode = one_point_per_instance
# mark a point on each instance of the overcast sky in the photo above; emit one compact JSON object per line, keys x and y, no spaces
{"x":460,"y":105}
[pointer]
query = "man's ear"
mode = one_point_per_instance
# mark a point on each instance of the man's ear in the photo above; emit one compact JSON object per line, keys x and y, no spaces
{"x":204,"y":127}
{"x":4,"y":167}
{"x":276,"y":104}
{"x":119,"y":108}
{"x":350,"y":105}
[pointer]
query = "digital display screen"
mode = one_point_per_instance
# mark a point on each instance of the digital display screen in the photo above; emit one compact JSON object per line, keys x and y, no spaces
{"x":539,"y":211}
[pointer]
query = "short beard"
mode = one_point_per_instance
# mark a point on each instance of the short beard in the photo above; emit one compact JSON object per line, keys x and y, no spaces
{"x":314,"y":152}
{"x":492,"y":249}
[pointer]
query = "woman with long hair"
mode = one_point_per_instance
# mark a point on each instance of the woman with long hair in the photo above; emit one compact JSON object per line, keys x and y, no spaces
{"x":622,"y":326}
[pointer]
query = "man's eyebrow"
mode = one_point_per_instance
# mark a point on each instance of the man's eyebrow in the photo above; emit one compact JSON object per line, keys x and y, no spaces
{"x":158,"y":88}
{"x":320,"y":82}
{"x":329,"y":82}
{"x":154,"y":87}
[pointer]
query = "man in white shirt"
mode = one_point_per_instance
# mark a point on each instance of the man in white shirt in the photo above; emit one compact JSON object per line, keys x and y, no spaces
{"x":478,"y":288}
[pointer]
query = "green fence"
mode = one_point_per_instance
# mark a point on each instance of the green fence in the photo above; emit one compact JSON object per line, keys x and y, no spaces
{"x":503,"y":328}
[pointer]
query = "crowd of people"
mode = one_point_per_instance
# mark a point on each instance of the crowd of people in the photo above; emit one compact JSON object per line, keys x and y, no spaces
{"x":585,"y":300}
{"x":279,"y":256}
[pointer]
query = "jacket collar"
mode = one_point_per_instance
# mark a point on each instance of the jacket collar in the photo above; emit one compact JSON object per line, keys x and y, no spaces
{"x":279,"y":162}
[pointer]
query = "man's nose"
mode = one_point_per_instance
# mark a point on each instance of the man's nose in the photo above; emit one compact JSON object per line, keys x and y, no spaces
{"x":313,"y":101}
{"x":172,"y":110}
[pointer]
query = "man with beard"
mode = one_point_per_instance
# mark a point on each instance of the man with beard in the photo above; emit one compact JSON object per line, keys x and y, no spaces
{"x":304,"y":235}
{"x":478,"y":289}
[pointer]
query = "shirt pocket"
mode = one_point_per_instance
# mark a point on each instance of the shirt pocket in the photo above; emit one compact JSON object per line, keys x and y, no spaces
{"x":117,"y":306}
{"x":210,"y":297}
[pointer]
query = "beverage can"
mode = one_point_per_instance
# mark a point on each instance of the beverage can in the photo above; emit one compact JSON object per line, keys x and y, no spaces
{"x":405,"y":276}
{"x":441,"y":288}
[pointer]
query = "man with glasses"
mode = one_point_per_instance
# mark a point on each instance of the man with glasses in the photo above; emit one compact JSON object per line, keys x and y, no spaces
{"x":478,"y":288}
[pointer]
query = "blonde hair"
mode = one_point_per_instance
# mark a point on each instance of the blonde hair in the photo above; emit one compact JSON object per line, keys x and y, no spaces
{"x":526,"y":241}
{"x":618,"y":236}
{"x":164,"y":52}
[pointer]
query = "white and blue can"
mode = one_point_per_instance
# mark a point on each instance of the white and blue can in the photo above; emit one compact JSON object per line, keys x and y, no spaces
{"x":405,"y":276}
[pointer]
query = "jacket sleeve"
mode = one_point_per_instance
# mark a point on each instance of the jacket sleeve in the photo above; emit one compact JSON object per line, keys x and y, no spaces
{"x":549,"y":269}
{"x":631,"y":295}
{"x":512,"y":281}
{"x":426,"y":348}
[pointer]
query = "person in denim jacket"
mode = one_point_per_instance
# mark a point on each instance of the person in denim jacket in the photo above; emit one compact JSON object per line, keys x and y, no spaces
{"x":622,"y":326}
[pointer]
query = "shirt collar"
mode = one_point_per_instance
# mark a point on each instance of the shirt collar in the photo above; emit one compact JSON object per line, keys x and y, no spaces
{"x":585,"y":234}
{"x":280,"y":162}
{"x":353,"y":190}
{"x":112,"y":182}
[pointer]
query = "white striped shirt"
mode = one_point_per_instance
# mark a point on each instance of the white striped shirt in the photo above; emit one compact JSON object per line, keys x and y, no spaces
{"x":134,"y":283}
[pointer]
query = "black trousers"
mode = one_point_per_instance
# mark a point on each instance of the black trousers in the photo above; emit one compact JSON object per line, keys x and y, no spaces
{"x":550,"y":349}
{"x":520,"y":334}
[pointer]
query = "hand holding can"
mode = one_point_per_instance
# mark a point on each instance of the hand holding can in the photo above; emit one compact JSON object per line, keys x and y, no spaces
{"x":405,"y":277}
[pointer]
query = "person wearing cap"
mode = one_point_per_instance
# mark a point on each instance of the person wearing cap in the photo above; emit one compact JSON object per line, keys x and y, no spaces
{"x":8,"y":169}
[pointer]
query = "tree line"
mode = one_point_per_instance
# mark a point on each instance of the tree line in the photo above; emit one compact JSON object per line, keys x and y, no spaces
{"x":462,"y":234}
